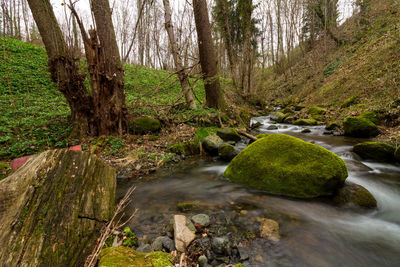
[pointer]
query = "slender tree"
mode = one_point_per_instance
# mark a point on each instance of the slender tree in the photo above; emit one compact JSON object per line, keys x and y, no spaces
{"x":214,"y":98}
{"x":182,"y":74}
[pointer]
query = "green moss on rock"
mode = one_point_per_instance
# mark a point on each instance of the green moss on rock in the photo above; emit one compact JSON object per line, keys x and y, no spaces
{"x":211,"y":143}
{"x":5,"y":170}
{"x":377,"y":151}
{"x":355,"y":195}
{"x":359,"y":127}
{"x":278,"y":116}
{"x":228,"y":134}
{"x":372,"y":116}
{"x":317,"y":111}
{"x":127,"y":257}
{"x":226,"y":152}
{"x":187,"y":206}
{"x":332,"y":126}
{"x":145,"y":125}
{"x":306,"y":122}
{"x":285,"y":165}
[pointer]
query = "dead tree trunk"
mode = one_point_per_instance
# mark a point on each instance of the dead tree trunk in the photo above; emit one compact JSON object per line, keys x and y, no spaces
{"x":182,"y":75}
{"x":214,"y":98}
{"x":62,"y":67}
{"x":109,"y":97}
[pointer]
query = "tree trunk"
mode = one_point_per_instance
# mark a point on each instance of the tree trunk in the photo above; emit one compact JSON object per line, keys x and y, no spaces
{"x":214,"y":98}
{"x":109,"y":96}
{"x":247,"y":55}
{"x":53,"y":208}
{"x":62,"y":67}
{"x":182,"y":75}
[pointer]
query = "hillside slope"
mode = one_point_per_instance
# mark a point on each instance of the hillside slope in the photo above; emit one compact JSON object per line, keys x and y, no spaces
{"x":362,"y":75}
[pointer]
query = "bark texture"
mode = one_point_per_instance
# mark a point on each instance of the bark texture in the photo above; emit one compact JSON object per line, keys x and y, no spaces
{"x":53,"y":207}
{"x":208,"y":61}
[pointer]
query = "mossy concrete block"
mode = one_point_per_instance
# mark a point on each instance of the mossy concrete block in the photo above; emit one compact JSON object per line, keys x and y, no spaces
{"x":211,"y":143}
{"x":145,"y":125}
{"x":354,"y":195}
{"x":53,"y":208}
{"x":377,"y":151}
{"x":228,"y":134}
{"x":306,"y":122}
{"x":128,"y":257}
{"x":360,"y":127}
{"x":285,"y":165}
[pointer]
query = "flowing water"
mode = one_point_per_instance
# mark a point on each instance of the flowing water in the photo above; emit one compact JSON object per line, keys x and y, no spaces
{"x":313,"y":233}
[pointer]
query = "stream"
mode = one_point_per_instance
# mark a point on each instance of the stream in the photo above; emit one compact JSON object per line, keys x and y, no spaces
{"x":313,"y":232}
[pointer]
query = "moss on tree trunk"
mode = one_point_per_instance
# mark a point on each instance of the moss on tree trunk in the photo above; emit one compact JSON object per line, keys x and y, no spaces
{"x":53,"y":207}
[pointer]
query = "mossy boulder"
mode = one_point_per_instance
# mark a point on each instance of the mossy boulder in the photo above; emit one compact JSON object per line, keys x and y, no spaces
{"x":228,"y":134}
{"x":354,"y":195}
{"x":299,"y":107}
{"x":278,"y":116}
{"x":349,"y":102}
{"x":306,"y":122}
{"x":285,"y":165}
{"x":144,"y":125}
{"x":360,"y":127}
{"x":128,"y":257}
{"x":317,"y":113}
{"x":54,"y":207}
{"x":377,"y":151}
{"x":372,"y":116}
{"x":332,"y":126}
{"x":397,"y":154}
{"x":211,"y":143}
{"x":227,"y":152}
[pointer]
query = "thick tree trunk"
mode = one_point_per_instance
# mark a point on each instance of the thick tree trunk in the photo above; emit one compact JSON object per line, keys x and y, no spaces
{"x":109,"y":96}
{"x":62,"y":67}
{"x":53,"y":208}
{"x":214,"y":98}
{"x":182,"y":75}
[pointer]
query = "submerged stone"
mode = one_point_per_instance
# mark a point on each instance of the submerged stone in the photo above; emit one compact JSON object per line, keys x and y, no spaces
{"x":124,"y":256}
{"x":377,"y":151}
{"x":355,"y":195}
{"x":360,"y":127}
{"x":285,"y":165}
{"x":269,"y":229}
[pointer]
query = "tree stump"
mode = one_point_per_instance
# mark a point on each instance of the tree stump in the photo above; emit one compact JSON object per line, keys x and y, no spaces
{"x":53,"y":208}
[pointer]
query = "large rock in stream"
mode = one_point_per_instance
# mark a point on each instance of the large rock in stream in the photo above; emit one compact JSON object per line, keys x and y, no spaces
{"x":53,"y":208}
{"x":285,"y":165}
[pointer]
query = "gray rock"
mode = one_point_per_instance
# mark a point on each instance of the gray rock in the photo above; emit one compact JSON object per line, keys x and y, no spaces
{"x":202,"y":219}
{"x":183,"y":232}
{"x":145,"y":249}
{"x":244,"y":253}
{"x":306,"y":131}
{"x":278,"y":116}
{"x":168,"y":244}
{"x":211,"y":143}
{"x":228,"y":134}
{"x":272,"y":127}
{"x":219,"y":245}
{"x":157,"y":244}
{"x":202,"y":260}
{"x":227,"y":152}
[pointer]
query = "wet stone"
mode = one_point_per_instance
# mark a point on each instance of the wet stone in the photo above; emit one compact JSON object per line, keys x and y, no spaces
{"x":272,"y":127}
{"x":219,"y":245}
{"x":145,"y":249}
{"x":202,"y":260}
{"x":168,"y":244}
{"x":157,"y":244}
{"x":202,"y":219}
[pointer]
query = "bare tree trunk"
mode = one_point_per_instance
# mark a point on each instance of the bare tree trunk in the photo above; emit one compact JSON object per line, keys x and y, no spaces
{"x":62,"y":67}
{"x":247,"y":55}
{"x":183,"y":77}
{"x":214,"y":98}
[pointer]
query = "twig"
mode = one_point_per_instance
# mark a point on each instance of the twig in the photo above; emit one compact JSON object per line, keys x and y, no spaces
{"x":110,"y":227}
{"x":245,"y":134}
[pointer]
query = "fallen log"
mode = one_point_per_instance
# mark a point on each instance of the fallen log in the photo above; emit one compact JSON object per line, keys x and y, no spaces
{"x":53,"y":208}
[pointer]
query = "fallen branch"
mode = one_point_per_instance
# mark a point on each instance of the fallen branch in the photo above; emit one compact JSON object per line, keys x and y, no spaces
{"x":245,"y":134}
